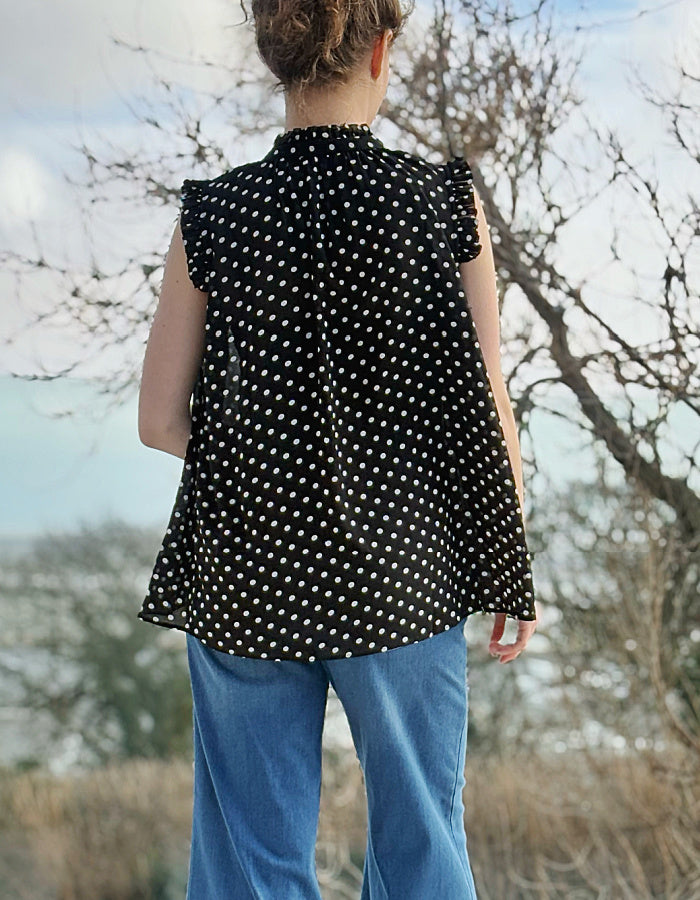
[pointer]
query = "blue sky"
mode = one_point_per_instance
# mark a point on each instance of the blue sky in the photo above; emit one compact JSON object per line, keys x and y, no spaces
{"x":63,"y":74}
{"x":59,"y":471}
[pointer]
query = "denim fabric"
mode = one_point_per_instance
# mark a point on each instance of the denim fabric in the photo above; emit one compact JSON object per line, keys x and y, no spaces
{"x":257,"y":770}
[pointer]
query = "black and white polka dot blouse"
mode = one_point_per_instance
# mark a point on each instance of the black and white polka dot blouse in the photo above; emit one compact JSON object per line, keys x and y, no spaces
{"x":346,"y":488}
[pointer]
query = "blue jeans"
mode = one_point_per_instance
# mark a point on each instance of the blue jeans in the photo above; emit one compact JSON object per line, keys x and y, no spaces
{"x":257,"y":770}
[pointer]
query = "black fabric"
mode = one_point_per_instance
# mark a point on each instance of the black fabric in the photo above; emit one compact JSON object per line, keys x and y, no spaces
{"x":346,"y":488}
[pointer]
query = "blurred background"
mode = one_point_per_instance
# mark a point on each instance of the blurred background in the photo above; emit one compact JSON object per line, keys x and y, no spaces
{"x":581,"y":123}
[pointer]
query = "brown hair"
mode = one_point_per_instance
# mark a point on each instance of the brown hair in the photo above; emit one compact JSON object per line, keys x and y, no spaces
{"x":318,"y":42}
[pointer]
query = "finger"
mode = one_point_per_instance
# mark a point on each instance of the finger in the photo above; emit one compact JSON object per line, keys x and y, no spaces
{"x":525,"y":631}
{"x":517,"y":646}
{"x":506,"y":656}
{"x":498,"y":627}
{"x":526,"y":627}
{"x":506,"y":649}
{"x":514,"y":645}
{"x":509,"y":654}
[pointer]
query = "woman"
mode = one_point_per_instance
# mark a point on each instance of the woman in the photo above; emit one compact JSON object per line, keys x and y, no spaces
{"x":352,"y":487}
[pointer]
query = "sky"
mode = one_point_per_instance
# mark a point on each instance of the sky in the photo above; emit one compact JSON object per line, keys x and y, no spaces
{"x":68,"y":77}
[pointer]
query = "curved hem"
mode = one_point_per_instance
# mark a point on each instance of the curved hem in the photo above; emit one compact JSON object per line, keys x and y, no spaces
{"x":154,"y":619}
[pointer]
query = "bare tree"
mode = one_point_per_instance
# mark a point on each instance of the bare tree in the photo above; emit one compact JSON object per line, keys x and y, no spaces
{"x":498,"y":87}
{"x":74,"y":655}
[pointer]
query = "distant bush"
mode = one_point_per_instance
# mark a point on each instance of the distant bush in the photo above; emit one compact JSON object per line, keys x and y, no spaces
{"x":99,"y":682}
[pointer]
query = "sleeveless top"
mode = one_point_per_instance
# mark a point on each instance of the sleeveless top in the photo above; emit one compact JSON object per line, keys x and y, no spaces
{"x":346,"y":487}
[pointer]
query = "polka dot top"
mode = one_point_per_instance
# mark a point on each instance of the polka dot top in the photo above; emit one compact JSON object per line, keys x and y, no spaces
{"x":346,"y":487}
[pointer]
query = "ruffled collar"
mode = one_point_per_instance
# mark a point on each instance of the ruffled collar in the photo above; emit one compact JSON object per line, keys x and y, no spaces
{"x":346,"y":133}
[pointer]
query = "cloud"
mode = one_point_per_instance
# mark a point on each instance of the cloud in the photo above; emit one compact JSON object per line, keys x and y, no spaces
{"x":57,"y":56}
{"x":24,"y":186}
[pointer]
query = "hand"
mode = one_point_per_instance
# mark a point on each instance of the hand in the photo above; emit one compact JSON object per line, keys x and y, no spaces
{"x":508,"y":652}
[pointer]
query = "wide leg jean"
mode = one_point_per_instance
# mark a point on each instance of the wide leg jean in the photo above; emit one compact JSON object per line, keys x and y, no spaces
{"x":258,"y":726}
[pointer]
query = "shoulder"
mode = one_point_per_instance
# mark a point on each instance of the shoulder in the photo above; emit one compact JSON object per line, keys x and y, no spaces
{"x":451,"y":180}
{"x":206,"y":188}
{"x":415,"y":165}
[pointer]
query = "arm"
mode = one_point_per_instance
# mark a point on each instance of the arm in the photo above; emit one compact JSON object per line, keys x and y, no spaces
{"x":173,"y":356}
{"x":479,"y":282}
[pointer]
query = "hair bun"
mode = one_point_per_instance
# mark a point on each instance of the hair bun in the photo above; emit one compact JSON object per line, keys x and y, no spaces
{"x":305,"y":42}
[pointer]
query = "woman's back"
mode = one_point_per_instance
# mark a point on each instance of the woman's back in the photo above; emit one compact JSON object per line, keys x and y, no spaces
{"x":347,"y":487}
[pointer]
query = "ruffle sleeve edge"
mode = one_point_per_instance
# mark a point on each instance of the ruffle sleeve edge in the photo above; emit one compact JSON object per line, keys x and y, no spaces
{"x":460,"y":186}
{"x":195,"y":234}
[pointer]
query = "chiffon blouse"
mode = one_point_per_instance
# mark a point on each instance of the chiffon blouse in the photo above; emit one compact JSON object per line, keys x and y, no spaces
{"x":346,"y":487}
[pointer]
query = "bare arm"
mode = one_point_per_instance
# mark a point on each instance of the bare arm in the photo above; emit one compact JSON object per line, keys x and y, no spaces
{"x":479,"y":281}
{"x":173,"y":357}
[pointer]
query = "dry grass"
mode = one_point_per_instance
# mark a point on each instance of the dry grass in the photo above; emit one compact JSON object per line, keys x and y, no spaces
{"x":583,"y":826}
{"x":342,"y":829}
{"x":572,"y":827}
{"x":108,"y":834}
